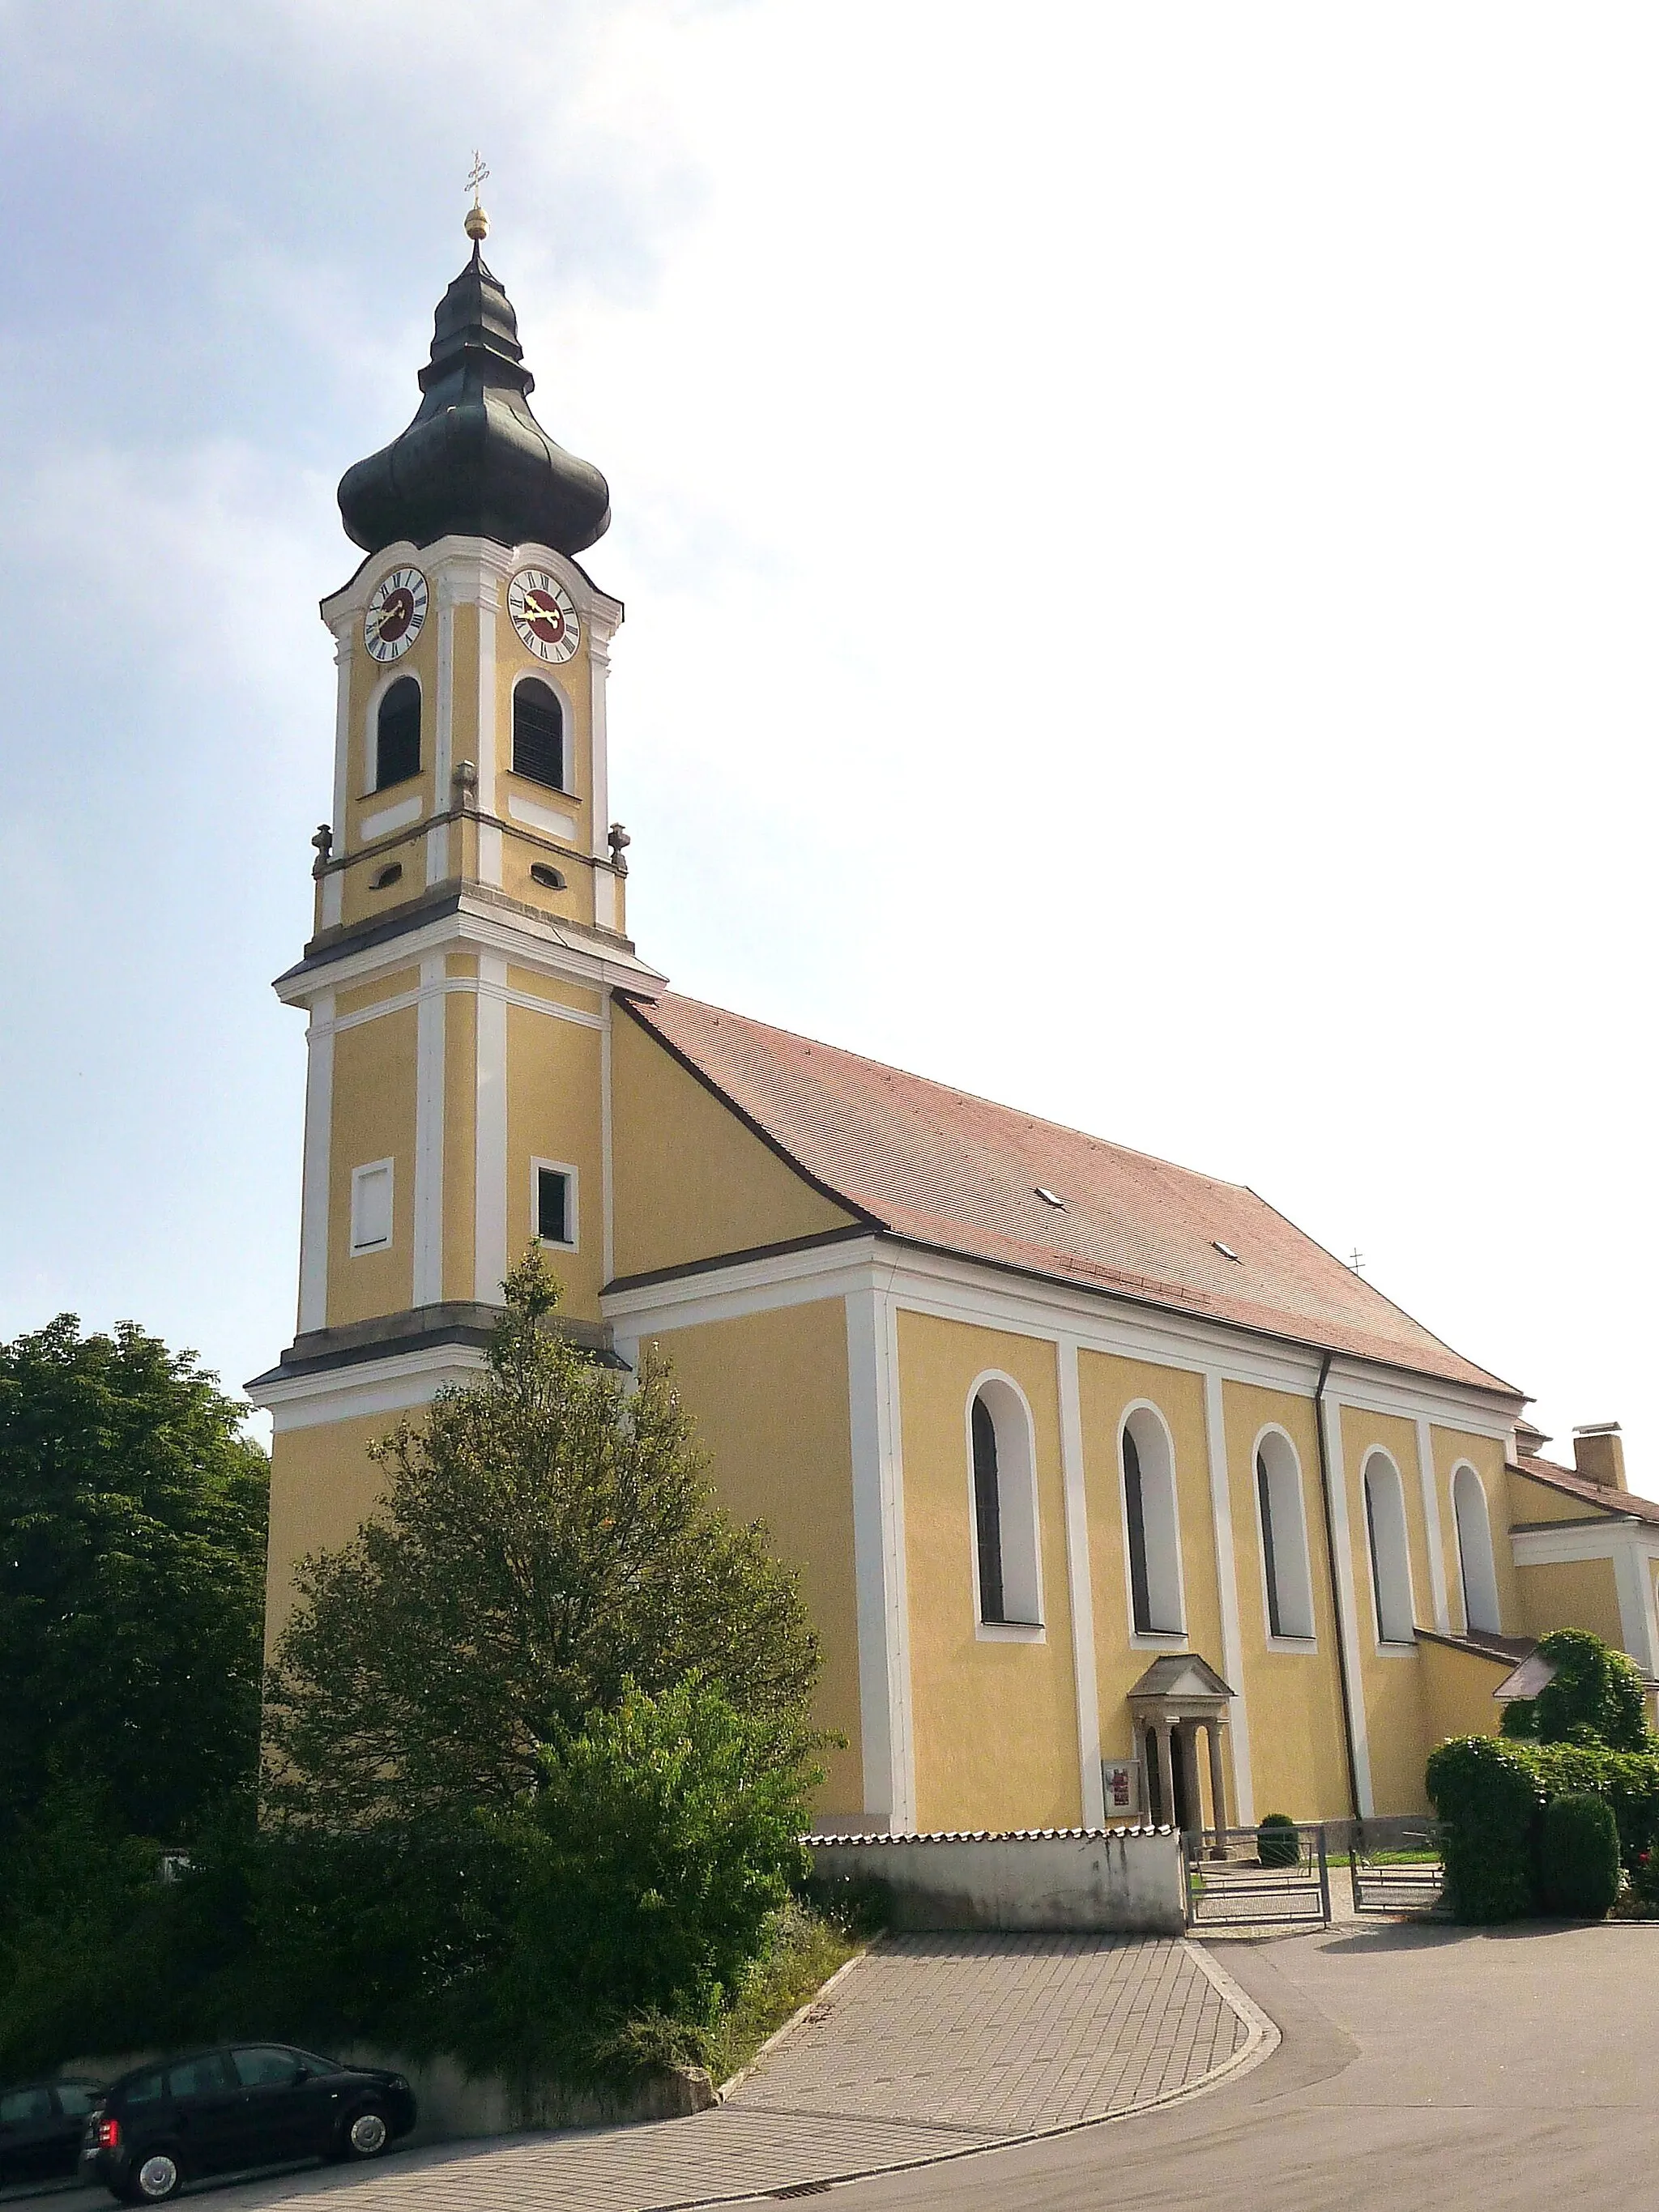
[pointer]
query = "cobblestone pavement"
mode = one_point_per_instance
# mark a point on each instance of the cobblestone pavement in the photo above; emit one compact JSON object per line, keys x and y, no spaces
{"x":929,"y":2046}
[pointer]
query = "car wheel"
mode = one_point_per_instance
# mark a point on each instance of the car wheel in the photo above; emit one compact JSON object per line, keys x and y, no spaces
{"x":368,"y":2132}
{"x":157,"y":2175}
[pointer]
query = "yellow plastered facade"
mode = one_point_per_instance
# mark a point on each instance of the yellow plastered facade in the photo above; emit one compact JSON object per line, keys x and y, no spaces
{"x":769,"y":1396}
{"x":1457,"y":1691}
{"x":692,"y":1179}
{"x":324,"y":1486}
{"x":1109,"y":1389}
{"x":995,"y":1722}
{"x":553,"y":1115}
{"x":374,"y":1119}
{"x":1579,"y":1592}
{"x":1396,"y":1717}
{"x":1297,"y":1753}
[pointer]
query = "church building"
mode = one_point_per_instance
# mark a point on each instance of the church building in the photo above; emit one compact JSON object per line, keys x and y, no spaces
{"x":1112,"y":1494}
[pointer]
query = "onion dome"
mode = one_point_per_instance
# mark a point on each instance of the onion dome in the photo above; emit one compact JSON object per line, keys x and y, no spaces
{"x":475,"y":461}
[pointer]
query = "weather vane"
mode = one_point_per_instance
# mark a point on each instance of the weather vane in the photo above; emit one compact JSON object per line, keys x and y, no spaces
{"x":1357,"y":1259}
{"x":477,"y":222}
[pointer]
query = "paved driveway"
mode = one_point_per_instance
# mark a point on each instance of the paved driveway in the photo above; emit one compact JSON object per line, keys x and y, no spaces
{"x":930,"y":2047}
{"x":1421,"y":2069}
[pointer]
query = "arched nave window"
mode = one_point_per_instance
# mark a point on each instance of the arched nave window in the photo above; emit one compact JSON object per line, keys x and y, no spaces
{"x":1284,"y":1537}
{"x":1149,"y":1509}
{"x":398,"y":734}
{"x":1385,"y":1527}
{"x":1004,"y":1506}
{"x":1474,"y":1551}
{"x":539,"y":733}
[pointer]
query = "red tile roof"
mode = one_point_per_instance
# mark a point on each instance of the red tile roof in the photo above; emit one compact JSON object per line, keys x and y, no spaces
{"x":940,"y":1168}
{"x":1573,"y":1485}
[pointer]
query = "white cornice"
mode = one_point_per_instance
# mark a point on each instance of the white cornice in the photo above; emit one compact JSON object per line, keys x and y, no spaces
{"x":480,"y":929}
{"x":371,"y":1386}
{"x":1555,"y":1546}
{"x":955,"y":1288}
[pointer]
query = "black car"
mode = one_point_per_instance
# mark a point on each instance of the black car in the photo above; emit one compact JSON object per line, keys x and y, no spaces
{"x":248,"y":2104}
{"x":41,"y":2125}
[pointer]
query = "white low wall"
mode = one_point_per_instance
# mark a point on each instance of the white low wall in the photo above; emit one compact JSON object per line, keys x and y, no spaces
{"x":1127,"y":1880}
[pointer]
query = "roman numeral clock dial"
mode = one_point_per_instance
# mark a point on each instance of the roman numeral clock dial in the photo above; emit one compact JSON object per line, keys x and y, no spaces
{"x":543,"y":614}
{"x":392,"y":620}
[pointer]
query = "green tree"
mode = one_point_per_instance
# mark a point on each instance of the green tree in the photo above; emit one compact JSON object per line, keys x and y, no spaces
{"x":546,"y":1538}
{"x":1594,"y":1697}
{"x":132,"y":1551}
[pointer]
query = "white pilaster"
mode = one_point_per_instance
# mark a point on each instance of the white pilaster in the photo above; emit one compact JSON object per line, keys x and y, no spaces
{"x":1633,"y":1580}
{"x":313,"y":1201}
{"x":443,"y":742}
{"x":599,"y":663}
{"x":1331,"y":1416}
{"x":1232,"y":1642}
{"x":489,"y":839}
{"x":878,"y":1557}
{"x":334,"y":886}
{"x":489,"y":1217}
{"x":1080,"y":1585}
{"x":429,"y":1259}
{"x":607,"y":1203}
{"x":1431,"y":1524}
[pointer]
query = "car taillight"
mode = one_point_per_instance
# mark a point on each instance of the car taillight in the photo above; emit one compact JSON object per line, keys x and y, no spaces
{"x":109,"y":2134}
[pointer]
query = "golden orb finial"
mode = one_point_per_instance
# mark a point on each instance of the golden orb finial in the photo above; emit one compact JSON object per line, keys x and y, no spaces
{"x":477,"y":222}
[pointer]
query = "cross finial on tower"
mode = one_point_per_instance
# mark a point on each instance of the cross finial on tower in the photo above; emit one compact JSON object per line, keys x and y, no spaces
{"x":477,"y":222}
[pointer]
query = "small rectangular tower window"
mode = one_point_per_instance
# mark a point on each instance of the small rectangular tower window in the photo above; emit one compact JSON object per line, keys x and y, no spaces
{"x":553,"y":1203}
{"x":370,"y":1207}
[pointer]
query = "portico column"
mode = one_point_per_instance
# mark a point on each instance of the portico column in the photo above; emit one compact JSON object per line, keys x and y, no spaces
{"x":1194,"y":1791}
{"x":1166,"y":1774}
{"x":1217,"y":1786}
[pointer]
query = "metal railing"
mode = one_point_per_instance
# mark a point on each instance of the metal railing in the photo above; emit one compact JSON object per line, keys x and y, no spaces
{"x":1395,"y":1866}
{"x":1256,"y":1878}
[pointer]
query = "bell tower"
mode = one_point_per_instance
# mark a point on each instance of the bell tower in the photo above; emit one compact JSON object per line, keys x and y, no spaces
{"x":470,"y":921}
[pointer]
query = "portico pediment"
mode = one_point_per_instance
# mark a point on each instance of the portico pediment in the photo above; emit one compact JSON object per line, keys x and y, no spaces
{"x":1181,"y":1679}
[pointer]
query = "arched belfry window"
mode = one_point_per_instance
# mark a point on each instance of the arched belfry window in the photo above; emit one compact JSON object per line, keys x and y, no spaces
{"x":1006,"y":1572}
{"x":1474,"y":1552}
{"x":539,"y":733}
{"x":1153,"y":1529}
{"x":1385,"y":1529}
{"x":398,"y":734}
{"x":1284,"y":1573}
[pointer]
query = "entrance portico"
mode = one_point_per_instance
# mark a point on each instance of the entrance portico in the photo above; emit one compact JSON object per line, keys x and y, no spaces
{"x":1179,"y":1697}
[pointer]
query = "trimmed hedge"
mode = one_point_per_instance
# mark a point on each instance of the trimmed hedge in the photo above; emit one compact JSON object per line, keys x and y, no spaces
{"x":1491,"y":1792}
{"x":1277,"y":1843}
{"x":1578,"y":1858}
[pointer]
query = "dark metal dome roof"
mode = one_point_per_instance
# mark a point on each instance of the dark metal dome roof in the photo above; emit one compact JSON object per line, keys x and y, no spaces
{"x":475,"y":461}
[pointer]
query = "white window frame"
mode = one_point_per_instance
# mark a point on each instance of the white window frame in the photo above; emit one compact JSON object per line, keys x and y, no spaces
{"x":1022,"y":1546}
{"x":360,"y":1247}
{"x":1389,"y":1647}
{"x":1488,"y":1567}
{"x":573,"y":1219}
{"x":1272,"y":1444}
{"x":1151,"y":1640}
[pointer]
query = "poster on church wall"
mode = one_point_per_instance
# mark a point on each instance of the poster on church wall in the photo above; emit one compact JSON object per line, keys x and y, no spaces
{"x":1125,"y":1798}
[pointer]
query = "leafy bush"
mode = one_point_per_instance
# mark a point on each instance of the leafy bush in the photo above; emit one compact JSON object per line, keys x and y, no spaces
{"x":663,"y":1840}
{"x":1595,"y":1695}
{"x":1578,"y":1858}
{"x":1277,"y":1843}
{"x":1487,"y":1794}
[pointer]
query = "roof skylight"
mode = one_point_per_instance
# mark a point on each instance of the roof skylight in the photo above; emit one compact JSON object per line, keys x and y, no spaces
{"x":1227,"y":1251}
{"x":1048,"y":1198}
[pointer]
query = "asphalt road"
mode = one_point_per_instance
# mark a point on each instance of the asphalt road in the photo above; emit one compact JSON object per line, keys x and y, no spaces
{"x":1421,"y":2069}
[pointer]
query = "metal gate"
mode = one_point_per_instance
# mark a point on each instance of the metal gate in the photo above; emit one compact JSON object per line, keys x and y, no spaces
{"x":1395,"y":1866}
{"x":1251,"y":1878}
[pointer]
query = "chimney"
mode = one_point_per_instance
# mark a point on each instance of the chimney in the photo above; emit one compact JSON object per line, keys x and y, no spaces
{"x":1598,"y":1454}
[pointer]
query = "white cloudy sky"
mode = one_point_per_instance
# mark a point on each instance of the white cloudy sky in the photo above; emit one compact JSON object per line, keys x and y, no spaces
{"x":1137,"y":526}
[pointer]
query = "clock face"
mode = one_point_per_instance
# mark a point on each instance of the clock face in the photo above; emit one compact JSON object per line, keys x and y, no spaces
{"x":395,"y":613}
{"x":543,"y":614}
